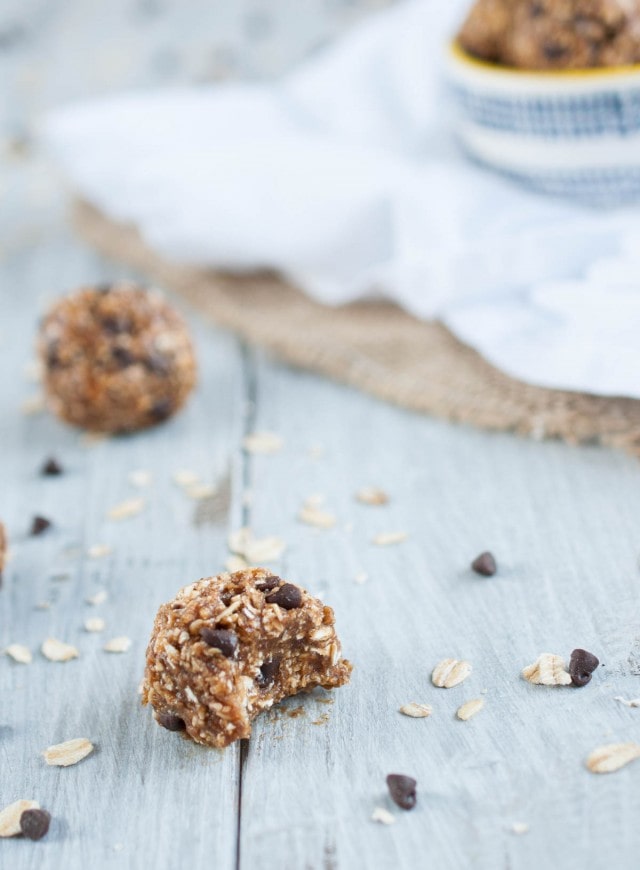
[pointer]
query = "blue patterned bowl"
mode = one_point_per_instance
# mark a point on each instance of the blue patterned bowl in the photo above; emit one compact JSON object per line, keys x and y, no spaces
{"x":572,"y":133}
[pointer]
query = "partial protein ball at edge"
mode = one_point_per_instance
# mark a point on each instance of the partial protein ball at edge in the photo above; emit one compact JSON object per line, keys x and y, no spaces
{"x":116,"y":358}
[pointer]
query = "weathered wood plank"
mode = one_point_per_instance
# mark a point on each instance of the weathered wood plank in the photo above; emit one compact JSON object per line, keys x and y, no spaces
{"x":146,"y":798}
{"x":562,"y":523}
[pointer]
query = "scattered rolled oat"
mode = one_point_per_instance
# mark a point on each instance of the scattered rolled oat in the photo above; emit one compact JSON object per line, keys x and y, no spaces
{"x":200,"y":491}
{"x":68,"y":753}
{"x":386,"y":539}
{"x":140,"y":478}
{"x":361,"y":577}
{"x":416,"y":711}
{"x":372,"y":495}
{"x":99,"y":551}
{"x":255,"y":550}
{"x":185,"y":478}
{"x":19,"y":653}
{"x":450,"y":672}
{"x":634,"y":702}
{"x":262,"y":442}
{"x":402,"y":790}
{"x":235,"y":563}
{"x":548,"y":670}
{"x":10,"y":817}
{"x":94,"y":624}
{"x":314,"y":516}
{"x":520,"y":828}
{"x":39,"y":525}
{"x":382,"y":816}
{"x":470,"y":709}
{"x":128,"y":508}
{"x":581,"y":665}
{"x":57,"y":651}
{"x":485,"y":564}
{"x":99,"y":598}
{"x":34,"y":823}
{"x":118,"y":644}
{"x":607,"y":759}
{"x":33,"y":405}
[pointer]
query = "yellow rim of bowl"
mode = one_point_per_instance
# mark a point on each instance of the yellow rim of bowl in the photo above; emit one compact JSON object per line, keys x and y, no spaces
{"x":460,"y":54}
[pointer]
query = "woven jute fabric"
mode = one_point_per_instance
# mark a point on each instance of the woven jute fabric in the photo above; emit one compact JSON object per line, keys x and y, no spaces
{"x":374,"y":346}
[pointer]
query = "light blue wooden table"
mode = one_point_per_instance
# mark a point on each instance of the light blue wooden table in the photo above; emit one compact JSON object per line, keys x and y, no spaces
{"x":564,"y":524}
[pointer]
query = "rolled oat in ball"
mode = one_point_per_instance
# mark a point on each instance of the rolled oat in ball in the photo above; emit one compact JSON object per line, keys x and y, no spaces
{"x":116,"y":358}
{"x":230,"y":646}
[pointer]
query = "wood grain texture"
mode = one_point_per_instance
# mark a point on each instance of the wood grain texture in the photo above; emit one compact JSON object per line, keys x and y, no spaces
{"x":562,"y":522}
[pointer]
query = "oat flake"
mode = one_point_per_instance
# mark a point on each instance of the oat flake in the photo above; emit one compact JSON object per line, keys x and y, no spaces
{"x":117,"y":644}
{"x":128,"y":508}
{"x":548,"y":670}
{"x":373,"y":496}
{"x":416,"y":711}
{"x":382,"y":816}
{"x":68,"y":753}
{"x":449,"y":673}
{"x":313,"y":516}
{"x":19,"y":653}
{"x":262,"y":442}
{"x":609,"y":758}
{"x":99,"y":551}
{"x":57,"y":651}
{"x":140,"y":478}
{"x":94,"y":624}
{"x":466,"y":711}
{"x":99,"y":598}
{"x":387,"y":539}
{"x":11,"y":815}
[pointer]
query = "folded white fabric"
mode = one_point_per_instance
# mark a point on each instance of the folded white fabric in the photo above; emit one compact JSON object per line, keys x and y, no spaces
{"x":345,"y":178}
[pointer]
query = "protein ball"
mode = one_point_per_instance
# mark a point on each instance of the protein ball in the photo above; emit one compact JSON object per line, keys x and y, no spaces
{"x":228,"y":647}
{"x":116,"y":358}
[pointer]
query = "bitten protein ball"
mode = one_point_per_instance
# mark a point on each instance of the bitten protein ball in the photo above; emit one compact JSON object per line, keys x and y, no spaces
{"x":116,"y":358}
{"x":228,"y":647}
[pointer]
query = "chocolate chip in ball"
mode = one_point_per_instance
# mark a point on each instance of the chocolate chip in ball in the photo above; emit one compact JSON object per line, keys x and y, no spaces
{"x":581,"y":665}
{"x":268,"y":673}
{"x":34,"y":824}
{"x":114,"y":324}
{"x":268,"y":583}
{"x":485,"y":564}
{"x":51,"y":468}
{"x":221,"y":638}
{"x":402,"y":790}
{"x":288,"y":597}
{"x":122,"y":356}
{"x":40,"y":525}
{"x":161,"y":409}
{"x":170,"y":721}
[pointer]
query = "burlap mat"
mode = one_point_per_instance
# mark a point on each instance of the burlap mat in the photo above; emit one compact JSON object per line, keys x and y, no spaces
{"x":376,"y":347}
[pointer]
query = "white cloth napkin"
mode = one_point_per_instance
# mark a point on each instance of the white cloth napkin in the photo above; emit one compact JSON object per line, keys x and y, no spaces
{"x":344,"y":176}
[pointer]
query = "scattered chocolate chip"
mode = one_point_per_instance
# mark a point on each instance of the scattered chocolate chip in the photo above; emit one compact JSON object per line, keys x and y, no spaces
{"x":581,"y":665}
{"x":122,"y":356}
{"x":39,"y":525}
{"x":402,"y":790}
{"x":51,"y":468}
{"x":288,"y":597}
{"x":268,"y":583}
{"x":161,"y":410}
{"x":268,"y":673}
{"x":485,"y":564}
{"x":221,"y":638}
{"x":34,"y":824}
{"x":170,"y":721}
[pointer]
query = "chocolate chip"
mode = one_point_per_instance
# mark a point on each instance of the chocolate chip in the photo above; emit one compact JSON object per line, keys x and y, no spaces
{"x":170,"y":721}
{"x":53,"y":359}
{"x":103,"y":289}
{"x":268,"y":583}
{"x":485,"y":564}
{"x":157,"y":364}
{"x":122,"y":356}
{"x":221,"y":638}
{"x":161,"y":410}
{"x":288,"y":597}
{"x":51,"y":468}
{"x":114,"y":324}
{"x":39,"y":525}
{"x":402,"y":790}
{"x":554,"y":51}
{"x":268,"y":673}
{"x":581,"y":665}
{"x":34,"y":824}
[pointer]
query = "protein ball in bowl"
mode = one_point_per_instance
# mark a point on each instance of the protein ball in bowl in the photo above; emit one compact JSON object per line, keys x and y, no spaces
{"x":116,"y":358}
{"x":228,"y":647}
